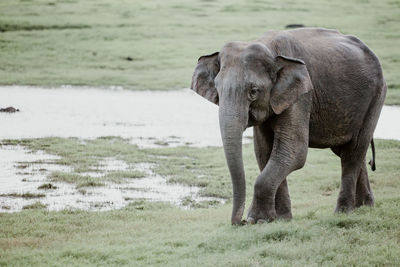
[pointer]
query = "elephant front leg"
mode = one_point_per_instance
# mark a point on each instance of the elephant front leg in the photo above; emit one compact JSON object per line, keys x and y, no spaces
{"x":259,"y":211}
{"x":265,"y":190}
{"x":263,"y":144}
{"x":289,"y":152}
{"x":266,"y":205}
{"x":282,"y":202}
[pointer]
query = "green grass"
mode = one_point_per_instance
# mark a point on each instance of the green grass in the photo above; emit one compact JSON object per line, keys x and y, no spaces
{"x":155,"y":44}
{"x":139,"y":235}
{"x":35,"y":206}
{"x":73,"y":178}
{"x":47,"y":186}
{"x":88,"y":181}
{"x":158,"y":234}
{"x":23,"y":195}
{"x":116,"y":176}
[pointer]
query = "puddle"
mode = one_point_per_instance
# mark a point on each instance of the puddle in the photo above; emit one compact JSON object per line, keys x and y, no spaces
{"x":23,"y":172}
{"x":18,"y":174}
{"x":155,"y":188}
{"x":107,"y":165}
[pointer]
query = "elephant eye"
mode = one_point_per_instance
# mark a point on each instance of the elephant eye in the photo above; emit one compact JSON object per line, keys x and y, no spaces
{"x":253,"y":93}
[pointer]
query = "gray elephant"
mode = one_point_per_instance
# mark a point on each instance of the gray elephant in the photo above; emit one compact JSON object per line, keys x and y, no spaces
{"x":301,"y":88}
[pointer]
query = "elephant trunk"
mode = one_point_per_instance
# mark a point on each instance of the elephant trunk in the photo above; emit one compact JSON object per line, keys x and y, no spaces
{"x":232,"y":124}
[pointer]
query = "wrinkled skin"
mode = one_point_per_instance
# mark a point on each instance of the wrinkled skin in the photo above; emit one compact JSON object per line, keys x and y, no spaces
{"x":299,"y":88}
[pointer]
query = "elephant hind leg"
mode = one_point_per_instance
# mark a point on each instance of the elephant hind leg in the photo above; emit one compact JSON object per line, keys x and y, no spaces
{"x":355,"y":189}
{"x":348,"y":187}
{"x":363,"y":193}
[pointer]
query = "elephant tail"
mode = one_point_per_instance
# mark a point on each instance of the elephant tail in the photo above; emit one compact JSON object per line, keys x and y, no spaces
{"x":372,"y":161}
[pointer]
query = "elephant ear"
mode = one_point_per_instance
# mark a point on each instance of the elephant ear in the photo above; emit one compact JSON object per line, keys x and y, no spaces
{"x":203,"y":77}
{"x":291,"y":81}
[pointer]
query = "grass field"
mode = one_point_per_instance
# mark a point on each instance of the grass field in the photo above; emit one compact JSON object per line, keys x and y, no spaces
{"x":162,"y":235}
{"x":144,"y":45}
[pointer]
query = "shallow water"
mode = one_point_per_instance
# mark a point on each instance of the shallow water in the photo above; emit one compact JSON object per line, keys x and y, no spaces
{"x":17,"y":172}
{"x":23,"y":172}
{"x":389,"y":123}
{"x":147,"y":118}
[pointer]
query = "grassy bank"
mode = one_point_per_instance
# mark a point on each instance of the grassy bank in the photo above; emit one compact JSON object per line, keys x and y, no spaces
{"x":145,"y":45}
{"x":160,"y":234}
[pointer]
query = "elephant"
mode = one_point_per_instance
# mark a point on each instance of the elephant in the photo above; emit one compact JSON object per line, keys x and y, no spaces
{"x":298,"y":88}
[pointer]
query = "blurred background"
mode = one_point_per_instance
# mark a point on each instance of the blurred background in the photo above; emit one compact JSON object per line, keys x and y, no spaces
{"x":146,"y":45}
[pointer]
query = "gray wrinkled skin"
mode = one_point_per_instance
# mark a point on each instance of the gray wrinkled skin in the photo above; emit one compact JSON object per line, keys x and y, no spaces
{"x":299,"y":88}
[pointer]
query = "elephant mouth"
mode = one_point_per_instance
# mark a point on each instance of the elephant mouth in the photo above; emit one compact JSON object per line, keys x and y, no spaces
{"x":252,"y":120}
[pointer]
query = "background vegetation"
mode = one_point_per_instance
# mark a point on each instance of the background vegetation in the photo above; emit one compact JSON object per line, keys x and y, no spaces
{"x":155,"y":44}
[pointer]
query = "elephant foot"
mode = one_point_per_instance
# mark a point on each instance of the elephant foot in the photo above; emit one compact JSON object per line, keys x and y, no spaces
{"x":261,"y":212}
{"x":343,"y":209}
{"x":284,"y":216}
{"x":259,"y":218}
{"x":365,"y":199}
{"x":364,"y":194}
{"x":344,"y":205}
{"x":283,"y":208}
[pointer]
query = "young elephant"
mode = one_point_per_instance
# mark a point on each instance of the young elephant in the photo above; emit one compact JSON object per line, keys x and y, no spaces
{"x":300,"y":88}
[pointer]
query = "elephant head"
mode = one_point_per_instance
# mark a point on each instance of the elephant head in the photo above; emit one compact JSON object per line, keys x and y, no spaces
{"x":250,"y":84}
